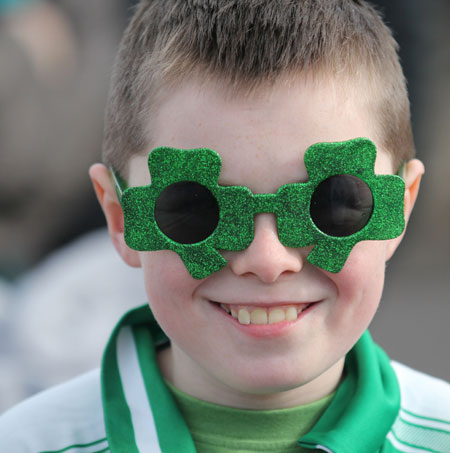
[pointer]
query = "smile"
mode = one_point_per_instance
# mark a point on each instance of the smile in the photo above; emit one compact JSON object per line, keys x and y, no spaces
{"x":264,"y":315}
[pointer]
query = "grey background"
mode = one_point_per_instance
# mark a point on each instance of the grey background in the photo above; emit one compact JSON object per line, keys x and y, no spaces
{"x":412,"y":323}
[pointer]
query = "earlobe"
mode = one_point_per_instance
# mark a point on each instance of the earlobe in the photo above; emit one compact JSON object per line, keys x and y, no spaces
{"x":107,"y":197}
{"x":412,"y":176}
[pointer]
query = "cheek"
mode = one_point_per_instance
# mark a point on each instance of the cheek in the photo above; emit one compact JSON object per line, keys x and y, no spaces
{"x":169,"y":286}
{"x":360,"y":283}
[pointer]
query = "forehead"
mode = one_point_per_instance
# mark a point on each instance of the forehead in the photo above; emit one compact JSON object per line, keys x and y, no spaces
{"x":262,"y":136}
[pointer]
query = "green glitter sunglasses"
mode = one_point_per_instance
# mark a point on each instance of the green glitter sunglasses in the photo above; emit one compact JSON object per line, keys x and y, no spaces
{"x":185,"y":210}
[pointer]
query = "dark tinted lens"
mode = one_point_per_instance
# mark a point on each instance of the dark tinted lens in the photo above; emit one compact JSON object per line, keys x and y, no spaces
{"x":341,"y":205}
{"x":187,"y":212}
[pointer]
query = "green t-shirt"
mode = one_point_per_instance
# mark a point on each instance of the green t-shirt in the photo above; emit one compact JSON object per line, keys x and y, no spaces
{"x":221,"y":429}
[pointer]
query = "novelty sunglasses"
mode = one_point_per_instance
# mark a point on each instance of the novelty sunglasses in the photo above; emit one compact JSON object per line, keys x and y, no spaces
{"x":185,"y":210}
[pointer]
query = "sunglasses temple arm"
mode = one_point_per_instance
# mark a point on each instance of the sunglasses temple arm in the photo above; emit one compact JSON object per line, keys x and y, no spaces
{"x":401,"y":170}
{"x":119,"y":183}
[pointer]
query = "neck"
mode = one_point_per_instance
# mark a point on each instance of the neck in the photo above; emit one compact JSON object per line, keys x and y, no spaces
{"x":175,"y":368}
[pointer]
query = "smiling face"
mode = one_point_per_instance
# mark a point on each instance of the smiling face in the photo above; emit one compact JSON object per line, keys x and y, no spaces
{"x":269,"y":329}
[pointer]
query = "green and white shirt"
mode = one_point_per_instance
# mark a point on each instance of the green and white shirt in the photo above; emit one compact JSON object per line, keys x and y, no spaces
{"x":126,"y":407}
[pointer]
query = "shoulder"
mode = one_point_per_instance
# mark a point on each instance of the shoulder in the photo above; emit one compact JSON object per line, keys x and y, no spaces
{"x":67,"y":415}
{"x":424,"y":417}
{"x":423,"y":394}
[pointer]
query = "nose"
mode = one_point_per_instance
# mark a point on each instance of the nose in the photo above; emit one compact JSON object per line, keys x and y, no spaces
{"x":266,"y":257}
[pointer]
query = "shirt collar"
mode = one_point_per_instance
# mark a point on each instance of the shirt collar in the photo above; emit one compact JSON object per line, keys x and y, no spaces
{"x":365,"y":406}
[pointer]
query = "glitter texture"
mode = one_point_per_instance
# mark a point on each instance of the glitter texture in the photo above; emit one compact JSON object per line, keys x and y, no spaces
{"x":238,"y":206}
{"x":168,"y":166}
{"x":354,"y":157}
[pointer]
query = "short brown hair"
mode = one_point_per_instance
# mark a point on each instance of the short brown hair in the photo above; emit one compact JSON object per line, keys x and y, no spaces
{"x":245,"y":43}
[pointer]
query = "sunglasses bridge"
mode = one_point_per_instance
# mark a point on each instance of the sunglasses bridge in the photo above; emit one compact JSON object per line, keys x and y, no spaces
{"x":264,"y":203}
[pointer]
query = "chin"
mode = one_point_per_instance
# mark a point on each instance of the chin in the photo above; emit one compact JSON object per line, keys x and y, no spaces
{"x":269,"y":380}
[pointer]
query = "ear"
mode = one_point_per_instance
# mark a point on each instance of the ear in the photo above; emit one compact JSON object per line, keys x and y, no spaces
{"x":107,"y":197}
{"x":412,"y":176}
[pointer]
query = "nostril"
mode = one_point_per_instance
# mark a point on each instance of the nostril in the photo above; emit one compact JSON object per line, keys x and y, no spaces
{"x":267,"y":267}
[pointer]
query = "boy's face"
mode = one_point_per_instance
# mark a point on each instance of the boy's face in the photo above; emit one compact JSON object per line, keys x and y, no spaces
{"x":262,"y":140}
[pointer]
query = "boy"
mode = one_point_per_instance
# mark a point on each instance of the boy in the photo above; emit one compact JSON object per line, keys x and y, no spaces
{"x":256,"y":336}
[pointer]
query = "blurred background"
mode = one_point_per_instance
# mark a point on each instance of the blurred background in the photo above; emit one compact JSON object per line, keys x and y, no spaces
{"x":62,"y":287}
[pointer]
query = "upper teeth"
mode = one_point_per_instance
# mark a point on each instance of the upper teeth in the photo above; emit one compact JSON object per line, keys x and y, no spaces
{"x":261,"y":315}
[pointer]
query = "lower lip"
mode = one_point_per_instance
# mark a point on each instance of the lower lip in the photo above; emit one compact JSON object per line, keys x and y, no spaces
{"x":266,"y":330}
